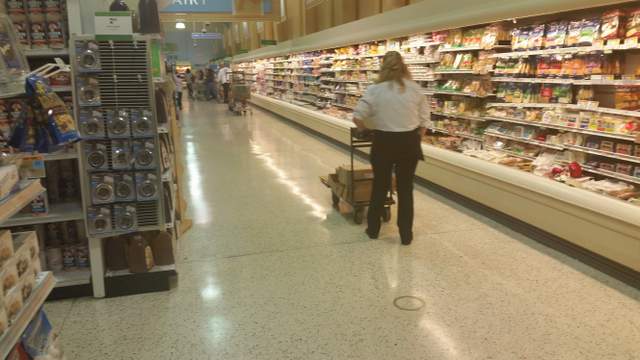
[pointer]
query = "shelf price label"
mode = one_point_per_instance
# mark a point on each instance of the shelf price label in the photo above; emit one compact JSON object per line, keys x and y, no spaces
{"x":631,"y":42}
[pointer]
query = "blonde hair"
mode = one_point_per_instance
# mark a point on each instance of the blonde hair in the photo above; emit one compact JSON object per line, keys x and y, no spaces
{"x":393,"y":69}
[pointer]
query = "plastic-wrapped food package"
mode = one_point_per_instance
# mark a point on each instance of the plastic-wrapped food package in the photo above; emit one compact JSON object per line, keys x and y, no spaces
{"x":589,"y":32}
{"x":633,"y":24}
{"x":556,"y":35}
{"x":536,"y":38}
{"x":573,"y":33}
{"x":612,"y":25}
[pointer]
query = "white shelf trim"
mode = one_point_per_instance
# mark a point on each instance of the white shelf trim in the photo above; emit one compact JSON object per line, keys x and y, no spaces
{"x":57,"y":213}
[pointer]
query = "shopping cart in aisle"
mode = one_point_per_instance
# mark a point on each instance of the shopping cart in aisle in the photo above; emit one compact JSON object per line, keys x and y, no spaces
{"x":240,"y":94}
{"x":354,"y":186}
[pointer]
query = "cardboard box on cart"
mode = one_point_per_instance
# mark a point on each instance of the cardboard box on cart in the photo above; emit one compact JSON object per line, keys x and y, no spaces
{"x":361,"y":188}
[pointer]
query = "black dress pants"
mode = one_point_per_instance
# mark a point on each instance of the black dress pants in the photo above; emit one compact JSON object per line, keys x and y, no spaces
{"x":225,"y":89}
{"x":399,"y":152}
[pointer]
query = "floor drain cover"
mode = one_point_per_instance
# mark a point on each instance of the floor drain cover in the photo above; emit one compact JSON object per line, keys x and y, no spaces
{"x":408,"y":303}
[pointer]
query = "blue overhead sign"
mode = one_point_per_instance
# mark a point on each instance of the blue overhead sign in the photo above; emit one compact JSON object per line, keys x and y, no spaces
{"x":206,"y":36}
{"x":209,"y":6}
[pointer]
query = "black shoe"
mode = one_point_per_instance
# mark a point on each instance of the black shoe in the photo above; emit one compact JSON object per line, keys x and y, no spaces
{"x":406,"y":239}
{"x":371,"y":235}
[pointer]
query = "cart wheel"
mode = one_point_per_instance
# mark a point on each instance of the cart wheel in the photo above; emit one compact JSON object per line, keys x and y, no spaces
{"x":335,"y":200}
{"x":386,"y":214}
{"x":358,"y":215}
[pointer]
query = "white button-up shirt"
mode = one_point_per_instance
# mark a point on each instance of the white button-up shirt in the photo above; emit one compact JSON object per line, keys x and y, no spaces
{"x":386,"y":107}
{"x":223,"y":75}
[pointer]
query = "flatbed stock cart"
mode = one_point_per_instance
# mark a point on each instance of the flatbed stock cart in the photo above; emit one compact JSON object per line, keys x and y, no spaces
{"x":347,"y":192}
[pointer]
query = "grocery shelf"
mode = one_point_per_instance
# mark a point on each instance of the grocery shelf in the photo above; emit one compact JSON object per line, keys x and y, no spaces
{"x":459,"y":116}
{"x":29,"y":190}
{"x":565,"y":51}
{"x":344,"y":106}
{"x":523,"y":140}
{"x":611,"y":174}
{"x":44,"y":284}
{"x":57,"y":213}
{"x":346,"y":93}
{"x":427,"y":44}
{"x":46,"y":52}
{"x":62,"y":88}
{"x":422,"y":62}
{"x":72,"y":277}
{"x":445,"y":72}
{"x":457,"y":133}
{"x":563,"y":128}
{"x":350,"y":81}
{"x":608,"y":154}
{"x":462,"y":93}
{"x":603,"y":110}
{"x":473,"y":48}
{"x":12,"y":94}
{"x":115,"y":273}
{"x":515,"y":154}
{"x":61,"y":155}
{"x":603,"y":82}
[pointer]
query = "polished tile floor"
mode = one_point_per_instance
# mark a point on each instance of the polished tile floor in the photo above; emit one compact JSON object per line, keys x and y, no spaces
{"x":271,"y":271}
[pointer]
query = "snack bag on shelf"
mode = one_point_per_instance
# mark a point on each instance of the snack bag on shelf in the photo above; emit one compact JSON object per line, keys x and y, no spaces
{"x":573,"y":33}
{"x":536,"y":38}
{"x":633,"y":24}
{"x":589,"y":32}
{"x":556,"y":35}
{"x":612,"y":25}
{"x":520,"y":39}
{"x":60,"y":124}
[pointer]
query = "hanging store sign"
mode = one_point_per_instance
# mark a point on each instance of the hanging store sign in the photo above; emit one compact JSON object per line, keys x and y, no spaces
{"x":113,"y":23}
{"x":206,"y":36}
{"x":254,"y":7}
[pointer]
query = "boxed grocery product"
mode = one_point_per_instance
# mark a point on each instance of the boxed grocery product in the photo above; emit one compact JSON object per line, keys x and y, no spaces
{"x":22,"y":31}
{"x":344,"y":174}
{"x":625,"y":169}
{"x":13,"y":301}
{"x":38,"y":35}
{"x":4,"y":321}
{"x":27,"y":242}
{"x":26,"y":284}
{"x":55,"y":35}
{"x":624,"y":149}
{"x":361,"y":190}
{"x":9,"y":274}
{"x":8,"y":180}
{"x":16,"y":7}
{"x":6,"y":246}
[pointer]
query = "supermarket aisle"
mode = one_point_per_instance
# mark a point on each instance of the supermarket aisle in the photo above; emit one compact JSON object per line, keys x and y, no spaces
{"x":271,"y":271}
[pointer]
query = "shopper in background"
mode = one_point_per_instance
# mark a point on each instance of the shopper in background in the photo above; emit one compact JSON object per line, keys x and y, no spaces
{"x":223,"y":79}
{"x":178,"y":82}
{"x":188,"y":76}
{"x":210,"y":83}
{"x":397,"y":112}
